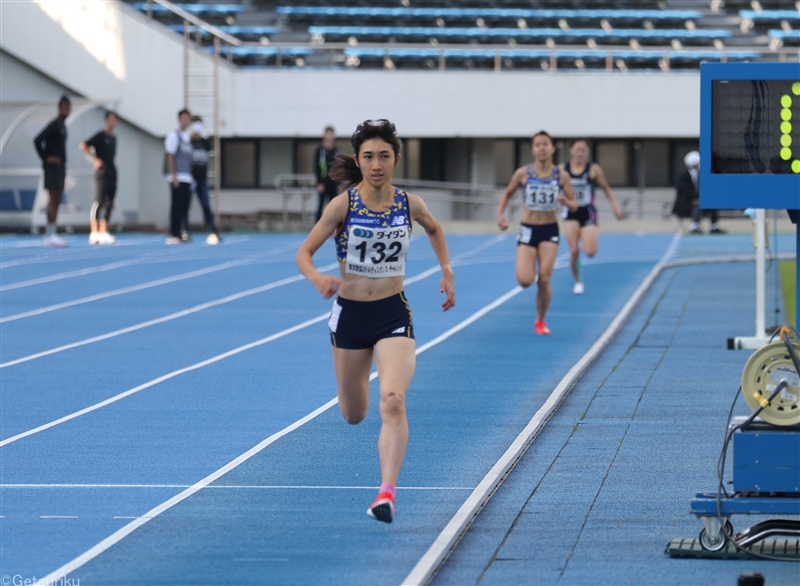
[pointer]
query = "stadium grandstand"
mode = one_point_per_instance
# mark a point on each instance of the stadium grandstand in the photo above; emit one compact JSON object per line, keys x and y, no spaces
{"x":282,"y":72}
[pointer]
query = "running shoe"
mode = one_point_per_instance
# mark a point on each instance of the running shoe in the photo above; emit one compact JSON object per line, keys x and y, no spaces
{"x":578,"y":288}
{"x":383,"y":508}
{"x":212,"y":239}
{"x":172,"y":240}
{"x":94,"y":238}
{"x":54,"y":241}
{"x":106,"y":238}
{"x":186,"y":237}
{"x":541,"y":328}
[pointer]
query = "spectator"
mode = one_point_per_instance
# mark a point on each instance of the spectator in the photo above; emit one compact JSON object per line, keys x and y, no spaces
{"x":51,"y":144}
{"x":327,"y":188}
{"x":200,"y":150}
{"x":687,"y":200}
{"x":178,"y":146}
{"x":102,"y":147}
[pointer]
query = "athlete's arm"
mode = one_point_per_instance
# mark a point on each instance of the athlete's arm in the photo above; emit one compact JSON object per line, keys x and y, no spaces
{"x":516,"y":181}
{"x":333,"y":217}
{"x":420,"y":214}
{"x":568,"y":199}
{"x":600,"y":179}
{"x":84,"y":146}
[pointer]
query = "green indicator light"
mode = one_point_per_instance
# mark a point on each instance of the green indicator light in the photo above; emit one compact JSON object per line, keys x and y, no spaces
{"x":796,"y":166}
{"x":786,"y":127}
{"x":786,"y":154}
{"x":786,"y":140}
{"x":796,"y":88}
{"x":786,"y":101}
{"x":786,"y":114}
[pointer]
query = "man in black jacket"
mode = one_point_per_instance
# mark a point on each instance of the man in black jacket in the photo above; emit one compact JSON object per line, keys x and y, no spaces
{"x":51,"y":144}
{"x":327,"y":188}
{"x":687,"y":200}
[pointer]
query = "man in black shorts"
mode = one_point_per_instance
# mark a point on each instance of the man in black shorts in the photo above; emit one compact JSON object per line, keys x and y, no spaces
{"x":103,"y":148}
{"x":51,"y":144}
{"x":324,"y":156}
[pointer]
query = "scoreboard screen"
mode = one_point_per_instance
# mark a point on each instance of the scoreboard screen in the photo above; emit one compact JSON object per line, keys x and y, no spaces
{"x":755,"y":126}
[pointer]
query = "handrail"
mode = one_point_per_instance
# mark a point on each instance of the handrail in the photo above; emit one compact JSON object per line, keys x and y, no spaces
{"x":198,"y":22}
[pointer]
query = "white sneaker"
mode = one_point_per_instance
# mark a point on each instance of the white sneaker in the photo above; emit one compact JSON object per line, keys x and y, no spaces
{"x":94,"y":238}
{"x":212,"y":239}
{"x":105,"y":238}
{"x":54,"y":241}
{"x":172,"y":240}
{"x":578,"y":289}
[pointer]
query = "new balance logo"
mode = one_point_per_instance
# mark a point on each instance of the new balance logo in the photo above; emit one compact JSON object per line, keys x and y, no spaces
{"x":400,"y":330}
{"x":399,"y":220}
{"x":554,"y":239}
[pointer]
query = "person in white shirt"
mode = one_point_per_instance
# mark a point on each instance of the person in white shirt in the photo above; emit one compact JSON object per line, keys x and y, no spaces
{"x":178,"y":146}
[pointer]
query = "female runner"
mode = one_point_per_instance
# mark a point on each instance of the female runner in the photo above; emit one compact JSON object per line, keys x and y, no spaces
{"x":582,"y":223}
{"x":538,"y":235}
{"x":371,"y":316}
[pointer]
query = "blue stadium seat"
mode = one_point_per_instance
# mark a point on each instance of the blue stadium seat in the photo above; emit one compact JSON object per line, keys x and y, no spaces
{"x":8,"y":202}
{"x":218,"y":9}
{"x":28,"y":198}
{"x":782,"y":34}
{"x":515,"y":33}
{"x":492,"y":13}
{"x":265,"y":51}
{"x":242,"y":31}
{"x":770,"y":15}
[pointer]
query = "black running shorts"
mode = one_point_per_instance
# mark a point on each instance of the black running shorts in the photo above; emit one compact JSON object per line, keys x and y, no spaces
{"x":535,"y":234}
{"x":584,"y":215}
{"x":54,"y":176}
{"x":356,"y":325}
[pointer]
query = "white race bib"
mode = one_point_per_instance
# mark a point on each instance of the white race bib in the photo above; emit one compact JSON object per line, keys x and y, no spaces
{"x":541,"y":197}
{"x":583,"y":193}
{"x":377,"y":252}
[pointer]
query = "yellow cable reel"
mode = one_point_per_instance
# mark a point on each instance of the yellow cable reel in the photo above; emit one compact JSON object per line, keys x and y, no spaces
{"x":764,"y":371}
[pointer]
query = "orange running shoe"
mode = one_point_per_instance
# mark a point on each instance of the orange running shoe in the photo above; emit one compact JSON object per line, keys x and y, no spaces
{"x":541,"y":328}
{"x":383,"y":508}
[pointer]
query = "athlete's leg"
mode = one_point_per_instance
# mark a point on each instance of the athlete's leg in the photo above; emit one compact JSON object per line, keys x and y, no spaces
{"x":396,"y":362}
{"x":590,"y":237}
{"x":547,"y":261}
{"x":352,"y":378}
{"x":526,"y":265}
{"x":52,"y":206}
{"x":573,"y":232}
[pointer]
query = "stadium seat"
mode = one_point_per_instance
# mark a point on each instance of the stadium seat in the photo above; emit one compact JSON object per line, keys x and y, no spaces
{"x":8,"y":202}
{"x":28,"y":198}
{"x":196,"y":9}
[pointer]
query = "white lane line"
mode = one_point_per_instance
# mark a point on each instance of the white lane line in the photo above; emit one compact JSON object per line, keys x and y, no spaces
{"x":140,"y":287}
{"x":75,"y":273}
{"x":166,"y":377}
{"x":58,"y":516}
{"x":234,"y":486}
{"x":196,"y":366}
{"x":166,"y":318}
{"x":119,"y":535}
{"x":436,"y":554}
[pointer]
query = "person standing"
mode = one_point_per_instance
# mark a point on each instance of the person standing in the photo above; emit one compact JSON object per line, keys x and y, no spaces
{"x":581,"y":225}
{"x":538,"y":237}
{"x":51,"y":145}
{"x":178,"y":146}
{"x":200,"y":149}
{"x":371,"y":316}
{"x":687,"y":186}
{"x":327,"y":188}
{"x":102,"y":147}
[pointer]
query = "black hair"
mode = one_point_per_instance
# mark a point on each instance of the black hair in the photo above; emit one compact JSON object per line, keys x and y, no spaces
{"x":63,"y":100}
{"x":110,"y":113}
{"x":344,"y":168}
{"x":329,"y":129}
{"x":577,"y":140}
{"x":182,"y":112}
{"x":543,"y":133}
{"x":196,"y":118}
